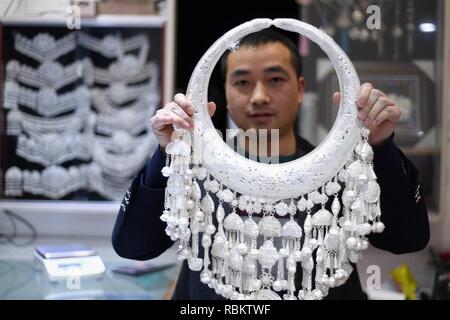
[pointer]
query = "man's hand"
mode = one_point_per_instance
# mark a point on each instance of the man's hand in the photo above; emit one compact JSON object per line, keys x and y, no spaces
{"x":178,"y":112}
{"x":379,"y":113}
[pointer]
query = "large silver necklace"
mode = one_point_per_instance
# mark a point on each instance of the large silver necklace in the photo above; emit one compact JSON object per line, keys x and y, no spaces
{"x":234,"y":264}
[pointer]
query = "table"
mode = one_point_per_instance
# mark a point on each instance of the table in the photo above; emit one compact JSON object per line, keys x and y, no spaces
{"x":23,"y":280}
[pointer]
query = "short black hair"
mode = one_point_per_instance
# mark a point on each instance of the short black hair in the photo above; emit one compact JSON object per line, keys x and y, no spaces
{"x":262,"y":37}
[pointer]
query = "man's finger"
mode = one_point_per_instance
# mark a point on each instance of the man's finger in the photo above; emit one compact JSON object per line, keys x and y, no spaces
{"x":176,"y":108}
{"x":364,"y":95}
{"x":379,"y":105}
{"x":375,"y":94}
{"x":166,"y":117}
{"x":183,"y":102}
{"x":390,"y":113}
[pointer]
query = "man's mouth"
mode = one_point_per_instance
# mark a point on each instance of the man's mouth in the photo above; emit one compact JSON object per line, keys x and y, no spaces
{"x":261,"y":117}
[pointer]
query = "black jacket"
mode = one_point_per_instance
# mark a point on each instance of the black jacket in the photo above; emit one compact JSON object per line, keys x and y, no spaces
{"x":139,"y":234}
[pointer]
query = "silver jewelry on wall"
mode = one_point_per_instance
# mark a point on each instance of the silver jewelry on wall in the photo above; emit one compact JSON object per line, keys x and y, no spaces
{"x":57,"y":182}
{"x":13,"y":182}
{"x":129,"y":69}
{"x":125,"y":120}
{"x":119,"y":93}
{"x":43,"y":47}
{"x":53,"y":182}
{"x":53,"y":148}
{"x":110,"y":187}
{"x":46,"y":101}
{"x":49,"y":74}
{"x":121,"y":142}
{"x":141,"y":106}
{"x":105,"y":126}
{"x":112,"y":46}
{"x":122,"y":164}
{"x":18,"y":121}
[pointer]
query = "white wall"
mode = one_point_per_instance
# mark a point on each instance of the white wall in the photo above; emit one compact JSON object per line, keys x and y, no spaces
{"x":63,"y":218}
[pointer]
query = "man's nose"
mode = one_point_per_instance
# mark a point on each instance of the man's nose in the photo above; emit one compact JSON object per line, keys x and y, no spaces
{"x":259,"y":94}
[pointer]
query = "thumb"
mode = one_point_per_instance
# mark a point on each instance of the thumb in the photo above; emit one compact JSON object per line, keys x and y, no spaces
{"x":336,"y":99}
{"x":211,"y":108}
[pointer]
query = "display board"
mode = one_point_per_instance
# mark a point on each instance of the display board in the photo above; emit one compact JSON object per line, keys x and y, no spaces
{"x":75,"y":108}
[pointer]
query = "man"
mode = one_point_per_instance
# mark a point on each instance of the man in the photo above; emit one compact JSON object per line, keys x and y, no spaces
{"x":264,"y":87}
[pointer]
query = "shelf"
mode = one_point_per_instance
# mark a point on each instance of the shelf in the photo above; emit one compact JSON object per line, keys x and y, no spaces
{"x":100,"y":21}
{"x":57,"y":13}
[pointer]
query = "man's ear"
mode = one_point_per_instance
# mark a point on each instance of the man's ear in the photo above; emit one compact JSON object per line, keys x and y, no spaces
{"x":301,"y":89}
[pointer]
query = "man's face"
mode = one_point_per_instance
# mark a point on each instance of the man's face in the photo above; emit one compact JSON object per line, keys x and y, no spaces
{"x":262,"y":88}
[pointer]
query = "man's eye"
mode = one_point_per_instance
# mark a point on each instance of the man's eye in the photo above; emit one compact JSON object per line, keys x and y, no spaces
{"x":241,"y":83}
{"x":276,"y":79}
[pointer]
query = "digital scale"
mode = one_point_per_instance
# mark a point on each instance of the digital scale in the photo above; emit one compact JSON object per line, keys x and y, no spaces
{"x":61,"y":262}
